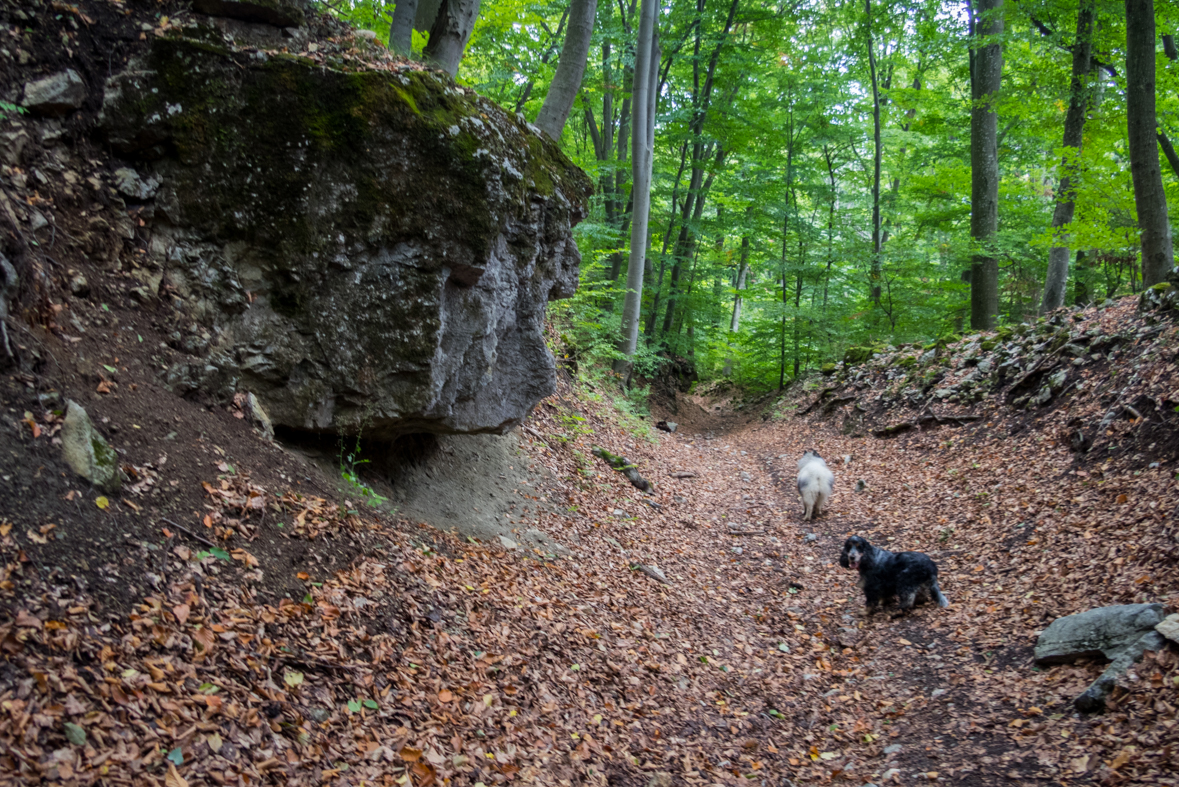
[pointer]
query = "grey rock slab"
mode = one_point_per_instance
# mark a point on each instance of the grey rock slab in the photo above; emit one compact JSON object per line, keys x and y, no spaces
{"x":280,"y":13}
{"x":508,"y":543}
{"x":87,"y":452}
{"x":131,"y":184}
{"x":259,"y":417}
{"x":1092,"y":699}
{"x":1121,"y":634}
{"x":1104,"y":632}
{"x":1169,"y":628}
{"x":55,"y":95}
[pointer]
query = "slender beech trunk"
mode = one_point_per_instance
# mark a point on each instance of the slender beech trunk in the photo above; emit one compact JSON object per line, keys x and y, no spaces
{"x":622,"y":142}
{"x":798,"y":282}
{"x":1081,"y":293}
{"x":785,"y":230}
{"x":986,"y":77}
{"x":401,"y":29}
{"x":570,"y":68}
{"x":1149,"y":197}
{"x":876,"y":271}
{"x":450,"y":32}
{"x":829,"y":157}
{"x":549,"y":51}
{"x":1165,"y":142}
{"x":742,"y":275}
{"x":694,"y":202}
{"x":1056,"y":281}
{"x":641,"y":190}
{"x":1169,"y":152}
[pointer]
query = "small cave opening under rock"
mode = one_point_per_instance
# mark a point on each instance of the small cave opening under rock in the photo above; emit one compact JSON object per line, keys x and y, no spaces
{"x":357,"y":460}
{"x":480,"y":485}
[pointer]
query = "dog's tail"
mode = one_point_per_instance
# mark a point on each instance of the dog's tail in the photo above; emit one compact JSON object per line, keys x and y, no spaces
{"x":941,"y":600}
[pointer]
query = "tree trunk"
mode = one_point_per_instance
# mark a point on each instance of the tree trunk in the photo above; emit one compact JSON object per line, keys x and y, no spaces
{"x":570,"y":68}
{"x":986,"y":77}
{"x":742,"y":274}
{"x":829,"y":157}
{"x":790,"y":138}
{"x":1081,"y":293}
{"x":1056,"y":281}
{"x":1149,"y":197}
{"x":641,"y":190}
{"x":1169,"y":152}
{"x":526,"y":93}
{"x":694,"y":202}
{"x":450,"y":32}
{"x":401,"y":29}
{"x":876,"y":272}
{"x":426,"y":13}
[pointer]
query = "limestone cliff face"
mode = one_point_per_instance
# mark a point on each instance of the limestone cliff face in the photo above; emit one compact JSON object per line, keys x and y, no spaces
{"x":371,"y":250}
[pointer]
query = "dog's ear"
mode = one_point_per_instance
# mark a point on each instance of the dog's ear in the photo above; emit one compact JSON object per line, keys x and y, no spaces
{"x":843,"y":561}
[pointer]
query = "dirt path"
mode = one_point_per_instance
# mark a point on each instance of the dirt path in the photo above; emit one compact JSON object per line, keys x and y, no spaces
{"x":437,"y":659}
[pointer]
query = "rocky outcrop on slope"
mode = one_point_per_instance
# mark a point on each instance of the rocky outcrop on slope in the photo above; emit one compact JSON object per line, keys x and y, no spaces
{"x":362,"y":249}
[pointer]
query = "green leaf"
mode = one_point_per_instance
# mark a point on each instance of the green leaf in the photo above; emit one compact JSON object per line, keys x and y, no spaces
{"x":371,"y":704}
{"x":208,"y":688}
{"x":204,"y":553}
{"x":75,"y":734}
{"x":220,"y":554}
{"x":354,"y":706}
{"x":782,"y":646}
{"x":110,"y":368}
{"x":105,"y":308}
{"x":308,"y":600}
{"x":176,"y":756}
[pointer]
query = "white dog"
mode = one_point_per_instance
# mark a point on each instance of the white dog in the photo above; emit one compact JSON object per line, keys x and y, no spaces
{"x":815,"y":484}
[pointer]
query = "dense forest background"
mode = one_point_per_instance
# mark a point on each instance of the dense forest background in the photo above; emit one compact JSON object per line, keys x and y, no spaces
{"x":811,"y":184}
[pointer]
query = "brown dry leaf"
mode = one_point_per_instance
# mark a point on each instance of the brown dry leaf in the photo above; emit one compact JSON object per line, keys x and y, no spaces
{"x":181,"y":611}
{"x":26,"y":620}
{"x":173,"y":777}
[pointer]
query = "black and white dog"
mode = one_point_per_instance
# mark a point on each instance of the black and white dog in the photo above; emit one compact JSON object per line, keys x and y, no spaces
{"x":909,"y":576}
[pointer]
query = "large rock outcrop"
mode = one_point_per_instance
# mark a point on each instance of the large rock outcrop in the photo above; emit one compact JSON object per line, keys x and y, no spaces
{"x":370,"y":250}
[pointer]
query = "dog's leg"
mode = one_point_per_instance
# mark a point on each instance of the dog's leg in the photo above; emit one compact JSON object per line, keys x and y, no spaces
{"x":906,"y":601}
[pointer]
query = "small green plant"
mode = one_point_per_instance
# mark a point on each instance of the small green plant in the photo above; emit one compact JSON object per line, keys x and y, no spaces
{"x":349,"y":462}
{"x":574,"y":426}
{"x":7,"y":109}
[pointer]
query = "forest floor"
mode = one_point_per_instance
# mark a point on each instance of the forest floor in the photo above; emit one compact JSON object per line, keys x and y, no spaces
{"x":251,"y":624}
